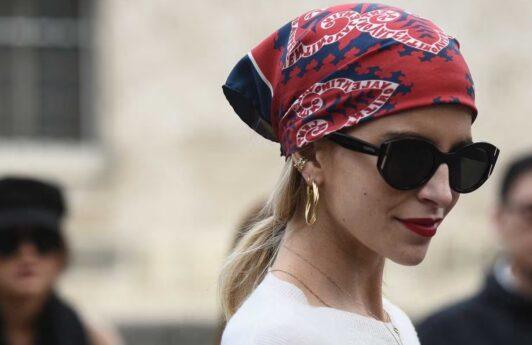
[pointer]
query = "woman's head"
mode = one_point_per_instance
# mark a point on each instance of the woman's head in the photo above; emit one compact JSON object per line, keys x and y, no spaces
{"x":32,"y":247}
{"x":31,"y":260}
{"x":372,"y":72}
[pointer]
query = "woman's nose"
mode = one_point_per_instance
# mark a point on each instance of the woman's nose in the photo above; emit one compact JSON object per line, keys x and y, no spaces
{"x":27,"y":250}
{"x":438,"y":190}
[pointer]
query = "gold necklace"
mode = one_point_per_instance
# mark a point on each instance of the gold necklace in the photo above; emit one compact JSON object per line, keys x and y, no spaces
{"x":304,"y":285}
{"x":395,"y":333}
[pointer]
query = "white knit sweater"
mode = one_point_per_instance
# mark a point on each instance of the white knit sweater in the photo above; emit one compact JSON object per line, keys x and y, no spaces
{"x":278,"y":313}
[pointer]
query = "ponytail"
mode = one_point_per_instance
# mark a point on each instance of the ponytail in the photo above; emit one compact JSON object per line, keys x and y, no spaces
{"x":256,"y":250}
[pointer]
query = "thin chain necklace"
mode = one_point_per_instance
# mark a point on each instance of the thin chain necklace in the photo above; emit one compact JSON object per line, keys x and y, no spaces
{"x":395,"y":333}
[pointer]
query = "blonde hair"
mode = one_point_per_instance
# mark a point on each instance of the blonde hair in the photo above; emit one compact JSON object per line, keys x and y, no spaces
{"x":257,"y":248}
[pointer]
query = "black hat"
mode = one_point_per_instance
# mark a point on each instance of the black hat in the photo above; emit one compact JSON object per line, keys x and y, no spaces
{"x":30,"y":202}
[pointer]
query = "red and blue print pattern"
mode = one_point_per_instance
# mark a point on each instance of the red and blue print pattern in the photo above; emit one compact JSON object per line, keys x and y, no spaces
{"x":337,"y":67}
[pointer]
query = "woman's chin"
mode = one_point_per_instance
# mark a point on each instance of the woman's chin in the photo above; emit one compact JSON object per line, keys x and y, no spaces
{"x":411,"y":257}
{"x":28,"y":289}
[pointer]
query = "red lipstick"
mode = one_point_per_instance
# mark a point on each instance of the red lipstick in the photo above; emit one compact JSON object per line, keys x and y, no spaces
{"x":425,"y":227}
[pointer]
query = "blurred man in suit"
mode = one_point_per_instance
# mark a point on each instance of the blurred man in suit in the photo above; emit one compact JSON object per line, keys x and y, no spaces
{"x":501,"y":313}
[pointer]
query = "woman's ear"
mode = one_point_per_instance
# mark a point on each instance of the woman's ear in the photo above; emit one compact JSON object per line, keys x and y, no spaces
{"x":63,"y":260}
{"x":313,"y":168}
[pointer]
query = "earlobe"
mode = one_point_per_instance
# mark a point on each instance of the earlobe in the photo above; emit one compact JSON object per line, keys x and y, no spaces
{"x":316,"y":178}
{"x":314,"y":173}
{"x":62,"y":261}
{"x":311,"y":175}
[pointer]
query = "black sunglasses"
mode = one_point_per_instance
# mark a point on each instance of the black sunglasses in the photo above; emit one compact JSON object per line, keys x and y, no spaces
{"x":408,"y":163}
{"x":45,"y":240}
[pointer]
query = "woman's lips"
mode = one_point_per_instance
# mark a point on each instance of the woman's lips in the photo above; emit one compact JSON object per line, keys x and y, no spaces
{"x":26,"y":272}
{"x":425,"y":227}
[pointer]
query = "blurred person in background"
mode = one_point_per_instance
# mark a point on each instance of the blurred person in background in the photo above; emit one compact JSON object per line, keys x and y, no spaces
{"x":501,"y":313}
{"x":373,"y":108}
{"x":33,"y":254}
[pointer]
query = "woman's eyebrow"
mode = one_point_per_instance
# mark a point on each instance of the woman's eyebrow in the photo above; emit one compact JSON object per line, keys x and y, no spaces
{"x":410,"y":134}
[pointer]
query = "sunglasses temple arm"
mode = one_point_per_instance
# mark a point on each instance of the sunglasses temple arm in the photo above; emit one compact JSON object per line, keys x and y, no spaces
{"x":354,"y":144}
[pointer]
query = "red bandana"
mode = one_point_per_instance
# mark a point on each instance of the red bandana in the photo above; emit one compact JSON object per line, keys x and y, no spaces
{"x":337,"y":67}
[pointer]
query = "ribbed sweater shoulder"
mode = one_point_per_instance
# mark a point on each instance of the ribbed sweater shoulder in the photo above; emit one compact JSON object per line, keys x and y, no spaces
{"x":278,"y":313}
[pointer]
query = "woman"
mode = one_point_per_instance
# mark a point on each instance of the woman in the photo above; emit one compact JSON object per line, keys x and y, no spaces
{"x":372,"y":107}
{"x":33,"y":254}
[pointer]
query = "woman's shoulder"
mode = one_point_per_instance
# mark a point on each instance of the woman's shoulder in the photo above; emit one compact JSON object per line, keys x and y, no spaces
{"x":270,"y":325}
{"x":70,"y":323}
{"x":99,"y":335}
{"x":270,"y":329}
{"x":273,"y":314}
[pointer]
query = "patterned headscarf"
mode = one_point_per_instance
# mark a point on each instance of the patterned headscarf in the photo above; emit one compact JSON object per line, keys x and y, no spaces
{"x":337,"y":67}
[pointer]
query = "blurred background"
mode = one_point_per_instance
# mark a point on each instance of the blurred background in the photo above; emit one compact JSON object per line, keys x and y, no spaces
{"x":121,"y":102}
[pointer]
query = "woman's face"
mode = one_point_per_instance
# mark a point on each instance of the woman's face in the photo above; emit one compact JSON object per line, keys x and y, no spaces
{"x":28,"y":273}
{"x":357,"y":200}
{"x":514,"y":222}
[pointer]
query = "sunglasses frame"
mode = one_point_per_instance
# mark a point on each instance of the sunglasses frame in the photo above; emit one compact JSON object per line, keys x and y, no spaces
{"x":439,"y":158}
{"x":37,"y":236}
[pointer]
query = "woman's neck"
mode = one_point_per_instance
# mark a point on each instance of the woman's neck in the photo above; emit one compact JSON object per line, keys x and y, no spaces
{"x":19,"y":314}
{"x":337,"y":268}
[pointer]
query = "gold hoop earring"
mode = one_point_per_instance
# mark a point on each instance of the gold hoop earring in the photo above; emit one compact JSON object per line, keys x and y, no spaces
{"x":311,"y":207}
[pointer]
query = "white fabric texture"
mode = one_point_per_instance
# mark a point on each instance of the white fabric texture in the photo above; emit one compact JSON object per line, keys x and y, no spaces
{"x":278,"y":313}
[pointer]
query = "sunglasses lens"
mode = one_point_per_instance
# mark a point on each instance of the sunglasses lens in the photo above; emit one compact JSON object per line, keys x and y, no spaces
{"x":9,"y":242}
{"x":469,"y":169}
{"x":46,"y":240}
{"x":407,"y":163}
